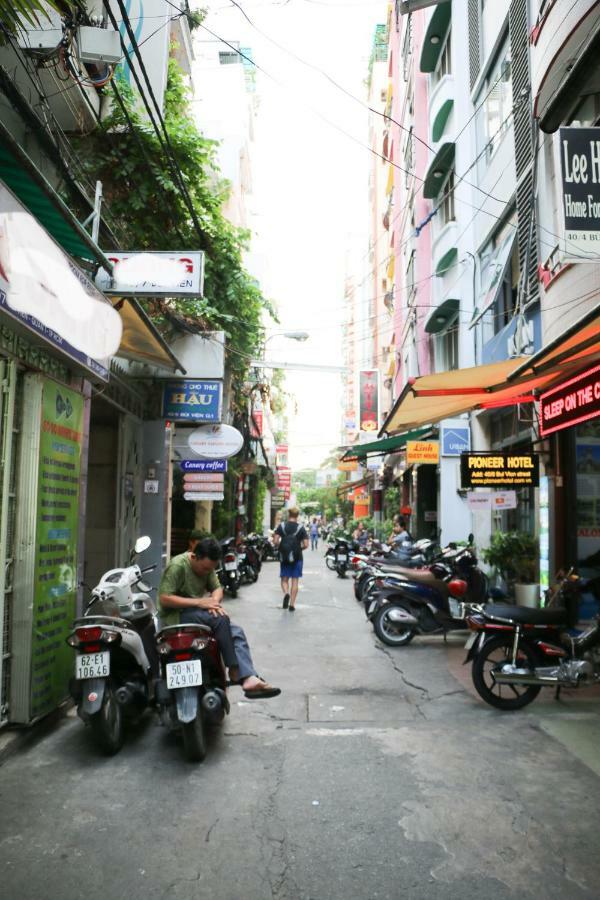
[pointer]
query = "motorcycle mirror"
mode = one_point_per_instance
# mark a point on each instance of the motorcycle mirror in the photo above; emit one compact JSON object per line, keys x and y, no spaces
{"x":142,"y":544}
{"x":470,"y":538}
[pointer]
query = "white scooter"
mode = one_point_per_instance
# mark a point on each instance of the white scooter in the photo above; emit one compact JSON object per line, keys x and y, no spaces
{"x":114,"y":640}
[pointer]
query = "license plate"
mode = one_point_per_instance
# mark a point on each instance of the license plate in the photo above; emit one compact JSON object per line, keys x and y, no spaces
{"x":229,"y":567}
{"x":92,"y":665}
{"x":184,"y":674}
{"x":471,"y":640}
{"x":342,"y":558}
{"x":372,"y":606}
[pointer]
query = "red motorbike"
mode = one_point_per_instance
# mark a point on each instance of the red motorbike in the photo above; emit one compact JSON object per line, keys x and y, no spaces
{"x":516,"y":651}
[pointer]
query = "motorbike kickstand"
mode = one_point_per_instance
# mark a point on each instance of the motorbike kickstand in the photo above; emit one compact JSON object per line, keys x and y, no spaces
{"x":557,"y":692}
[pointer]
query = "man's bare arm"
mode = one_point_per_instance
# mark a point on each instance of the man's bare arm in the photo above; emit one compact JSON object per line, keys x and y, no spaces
{"x":211,"y":604}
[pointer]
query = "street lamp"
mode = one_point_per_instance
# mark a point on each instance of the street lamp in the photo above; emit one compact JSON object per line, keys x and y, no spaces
{"x":292,"y":335}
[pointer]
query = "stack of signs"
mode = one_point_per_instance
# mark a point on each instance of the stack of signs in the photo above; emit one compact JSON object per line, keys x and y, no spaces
{"x":283,"y":481}
{"x":203,"y":479}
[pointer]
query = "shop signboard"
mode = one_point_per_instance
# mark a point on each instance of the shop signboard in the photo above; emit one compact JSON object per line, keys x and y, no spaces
{"x":281,"y":453}
{"x":368,"y":397}
{"x":215,"y":441}
{"x":427,"y":452}
{"x":203,"y":478}
{"x":580,"y":168}
{"x":498,"y":500}
{"x":203,"y":465}
{"x":499,"y":469}
{"x":571,"y":403}
{"x":150,"y":273}
{"x":55,"y":553}
{"x":455,"y":440}
{"x":198,"y":496}
{"x":188,"y":400}
{"x":347,"y":465}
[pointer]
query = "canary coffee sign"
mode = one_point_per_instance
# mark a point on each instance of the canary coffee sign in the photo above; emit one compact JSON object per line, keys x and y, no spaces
{"x":499,"y":470}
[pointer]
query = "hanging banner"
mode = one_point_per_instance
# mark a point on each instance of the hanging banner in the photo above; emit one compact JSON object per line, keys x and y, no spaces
{"x":368,"y":400}
{"x":256,"y":424}
{"x":499,"y":470}
{"x":422,"y":452}
{"x":580,"y":166}
{"x":186,"y":400}
{"x":55,"y":591}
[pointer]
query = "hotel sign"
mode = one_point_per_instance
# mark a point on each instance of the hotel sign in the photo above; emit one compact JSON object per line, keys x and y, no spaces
{"x":499,"y":470}
{"x":580,"y":164}
{"x":570,"y":403}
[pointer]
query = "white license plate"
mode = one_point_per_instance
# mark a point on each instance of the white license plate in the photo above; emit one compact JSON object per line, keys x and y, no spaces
{"x":372,"y":606}
{"x":92,"y":665}
{"x":342,"y":558}
{"x":184,"y":674}
{"x":471,"y":640}
{"x":229,"y":567}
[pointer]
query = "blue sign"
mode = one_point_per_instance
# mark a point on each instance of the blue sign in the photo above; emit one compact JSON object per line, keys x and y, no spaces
{"x":455,"y":441}
{"x":192,"y":401}
{"x":204,"y":465}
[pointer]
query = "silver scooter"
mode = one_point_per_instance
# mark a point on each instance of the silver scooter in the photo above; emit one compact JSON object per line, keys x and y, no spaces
{"x":114,"y":640}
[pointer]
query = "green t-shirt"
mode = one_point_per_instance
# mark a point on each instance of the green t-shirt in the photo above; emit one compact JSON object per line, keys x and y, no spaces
{"x":179,"y":579}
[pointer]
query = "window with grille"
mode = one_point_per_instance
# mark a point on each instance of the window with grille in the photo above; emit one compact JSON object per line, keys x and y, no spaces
{"x":495,"y":104}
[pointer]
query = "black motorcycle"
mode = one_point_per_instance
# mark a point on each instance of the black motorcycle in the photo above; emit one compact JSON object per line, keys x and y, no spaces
{"x":433,"y":600}
{"x":229,"y":572}
{"x":342,"y":551}
{"x":516,"y":651}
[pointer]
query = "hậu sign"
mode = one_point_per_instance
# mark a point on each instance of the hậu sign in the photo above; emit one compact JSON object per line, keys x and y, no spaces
{"x":570,"y":403}
{"x":189,"y":400}
{"x":499,"y":470}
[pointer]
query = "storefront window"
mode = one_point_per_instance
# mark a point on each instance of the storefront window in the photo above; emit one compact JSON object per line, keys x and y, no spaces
{"x":587,"y":464}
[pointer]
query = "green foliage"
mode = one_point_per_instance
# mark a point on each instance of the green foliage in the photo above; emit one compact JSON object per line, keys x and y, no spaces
{"x":391,"y":502}
{"x":33,"y":12}
{"x":261,"y":492}
{"x":515,"y":555}
{"x":147,"y":202}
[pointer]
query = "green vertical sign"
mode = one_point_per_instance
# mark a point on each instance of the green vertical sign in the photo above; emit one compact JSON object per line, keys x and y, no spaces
{"x":55,"y":587}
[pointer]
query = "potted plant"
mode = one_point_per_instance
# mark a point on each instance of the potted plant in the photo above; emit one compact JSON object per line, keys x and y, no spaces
{"x":515,"y":554}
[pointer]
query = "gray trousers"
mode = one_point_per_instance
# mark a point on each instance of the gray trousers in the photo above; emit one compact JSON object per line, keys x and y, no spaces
{"x":231,"y":639}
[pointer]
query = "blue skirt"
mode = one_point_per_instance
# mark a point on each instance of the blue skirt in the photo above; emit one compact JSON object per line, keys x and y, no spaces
{"x":291,"y":570}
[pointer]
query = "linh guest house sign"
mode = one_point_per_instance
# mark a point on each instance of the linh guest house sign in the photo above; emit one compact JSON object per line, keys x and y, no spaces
{"x":499,"y":470}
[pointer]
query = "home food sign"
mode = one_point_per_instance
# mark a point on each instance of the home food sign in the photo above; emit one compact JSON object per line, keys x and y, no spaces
{"x":192,"y":401}
{"x":580,"y":163}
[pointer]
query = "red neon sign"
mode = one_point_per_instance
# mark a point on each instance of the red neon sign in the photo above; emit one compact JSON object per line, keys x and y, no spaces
{"x":575,"y":401}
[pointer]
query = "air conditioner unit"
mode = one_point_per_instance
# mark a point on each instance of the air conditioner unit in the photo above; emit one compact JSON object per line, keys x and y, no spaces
{"x":98,"y":45}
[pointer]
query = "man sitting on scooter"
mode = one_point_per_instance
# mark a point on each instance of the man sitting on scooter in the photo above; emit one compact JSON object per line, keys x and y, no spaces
{"x":190,"y":594}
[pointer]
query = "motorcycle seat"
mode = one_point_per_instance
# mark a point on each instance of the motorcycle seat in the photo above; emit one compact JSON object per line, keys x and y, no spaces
{"x":526,"y":616}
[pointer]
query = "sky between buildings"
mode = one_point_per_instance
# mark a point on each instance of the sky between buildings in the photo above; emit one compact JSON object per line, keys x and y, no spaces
{"x":310,"y":185}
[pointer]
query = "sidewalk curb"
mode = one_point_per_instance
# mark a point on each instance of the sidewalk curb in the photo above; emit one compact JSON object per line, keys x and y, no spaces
{"x":23,"y":737}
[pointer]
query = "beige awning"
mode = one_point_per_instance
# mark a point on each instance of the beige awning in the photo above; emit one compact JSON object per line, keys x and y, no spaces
{"x":141,"y":341}
{"x":431,"y":398}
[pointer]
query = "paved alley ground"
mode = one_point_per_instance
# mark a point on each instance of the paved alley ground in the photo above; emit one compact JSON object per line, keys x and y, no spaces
{"x":376,"y":774}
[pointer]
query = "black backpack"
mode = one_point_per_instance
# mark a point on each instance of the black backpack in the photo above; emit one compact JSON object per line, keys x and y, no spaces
{"x":289,"y":547}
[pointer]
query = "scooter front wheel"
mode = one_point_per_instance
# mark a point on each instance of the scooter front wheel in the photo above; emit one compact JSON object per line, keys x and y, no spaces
{"x":389,"y":632}
{"x":107,"y":724}
{"x":194,"y":738}
{"x":330,"y":563}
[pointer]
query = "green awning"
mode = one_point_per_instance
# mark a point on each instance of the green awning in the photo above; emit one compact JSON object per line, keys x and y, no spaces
{"x":447,"y":261}
{"x":27,"y":183}
{"x":441,"y":316}
{"x":438,"y":170}
{"x":434,"y":36}
{"x":386,"y":445}
{"x":439,"y":123}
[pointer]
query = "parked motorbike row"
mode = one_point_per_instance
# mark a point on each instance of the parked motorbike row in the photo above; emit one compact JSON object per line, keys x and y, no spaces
{"x":514,"y":650}
{"x":242,"y":560}
{"x":125,"y":663}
